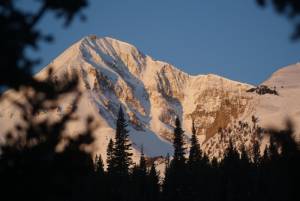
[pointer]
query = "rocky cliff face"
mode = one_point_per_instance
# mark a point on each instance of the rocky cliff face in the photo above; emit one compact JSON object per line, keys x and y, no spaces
{"x":153,"y":93}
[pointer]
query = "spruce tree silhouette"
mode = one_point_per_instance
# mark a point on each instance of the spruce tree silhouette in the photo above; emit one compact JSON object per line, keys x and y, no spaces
{"x":142,"y":164}
{"x":99,"y":166}
{"x":109,"y":156}
{"x":119,"y":161}
{"x":178,"y":144}
{"x":231,"y":167}
{"x":198,"y":165}
{"x":122,"y":147}
{"x":139,"y":179}
{"x":98,"y":182}
{"x":176,"y":178}
{"x":153,"y":187}
{"x":256,"y":153}
{"x":195,"y":155}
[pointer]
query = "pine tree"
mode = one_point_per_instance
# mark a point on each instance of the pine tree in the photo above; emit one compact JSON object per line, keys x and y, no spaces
{"x":119,"y":161}
{"x":231,"y":163}
{"x":175,"y":179}
{"x":195,"y":152}
{"x":99,"y":167}
{"x":139,"y":179}
{"x":121,"y":152}
{"x":231,"y":155}
{"x":167,"y":179}
{"x":273,"y":149}
{"x":257,"y":172}
{"x":109,"y":156}
{"x":266,"y":156}
{"x":244,"y":178}
{"x":178,"y":144}
{"x":142,"y":165}
{"x":256,"y":154}
{"x":167,"y":162}
{"x":153,"y":184}
{"x":197,"y":166}
{"x":97,"y":180}
{"x":244,"y":158}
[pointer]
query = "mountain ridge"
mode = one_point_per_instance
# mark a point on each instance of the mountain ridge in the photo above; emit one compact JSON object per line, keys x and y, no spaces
{"x":152,"y":93}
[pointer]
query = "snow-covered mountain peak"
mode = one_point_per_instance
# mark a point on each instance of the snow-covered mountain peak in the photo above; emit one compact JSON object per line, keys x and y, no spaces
{"x":286,"y":82}
{"x":152,"y":93}
{"x":288,"y":76}
{"x":168,"y":90}
{"x":109,"y":45}
{"x":118,"y":55}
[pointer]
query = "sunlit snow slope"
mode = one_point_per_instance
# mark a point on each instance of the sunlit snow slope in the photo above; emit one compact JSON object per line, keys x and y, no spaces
{"x":270,"y":108}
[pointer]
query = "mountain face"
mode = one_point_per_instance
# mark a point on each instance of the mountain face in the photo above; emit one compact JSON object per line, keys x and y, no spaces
{"x":152,"y":93}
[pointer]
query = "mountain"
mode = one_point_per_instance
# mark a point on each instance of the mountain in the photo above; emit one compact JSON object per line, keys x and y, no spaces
{"x":286,"y":105}
{"x":273,"y":102}
{"x":113,"y":73}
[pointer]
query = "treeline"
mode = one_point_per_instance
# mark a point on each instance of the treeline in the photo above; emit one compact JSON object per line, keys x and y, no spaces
{"x":241,"y":175}
{"x":26,"y":174}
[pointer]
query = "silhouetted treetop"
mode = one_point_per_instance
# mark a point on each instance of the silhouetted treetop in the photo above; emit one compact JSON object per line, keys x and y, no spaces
{"x":19,"y":32}
{"x":289,"y":8}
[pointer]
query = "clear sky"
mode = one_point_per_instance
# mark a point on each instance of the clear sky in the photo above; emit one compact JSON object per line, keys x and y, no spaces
{"x":232,"y":38}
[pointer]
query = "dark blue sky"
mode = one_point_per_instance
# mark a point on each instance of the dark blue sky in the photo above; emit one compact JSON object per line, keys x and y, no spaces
{"x":232,"y":38}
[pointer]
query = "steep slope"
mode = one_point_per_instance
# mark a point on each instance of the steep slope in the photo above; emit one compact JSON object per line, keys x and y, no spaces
{"x":272,"y":103}
{"x":286,"y":82}
{"x":152,"y":93}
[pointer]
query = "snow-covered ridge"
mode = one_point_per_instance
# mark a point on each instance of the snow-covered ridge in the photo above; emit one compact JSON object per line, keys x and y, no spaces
{"x":286,"y":81}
